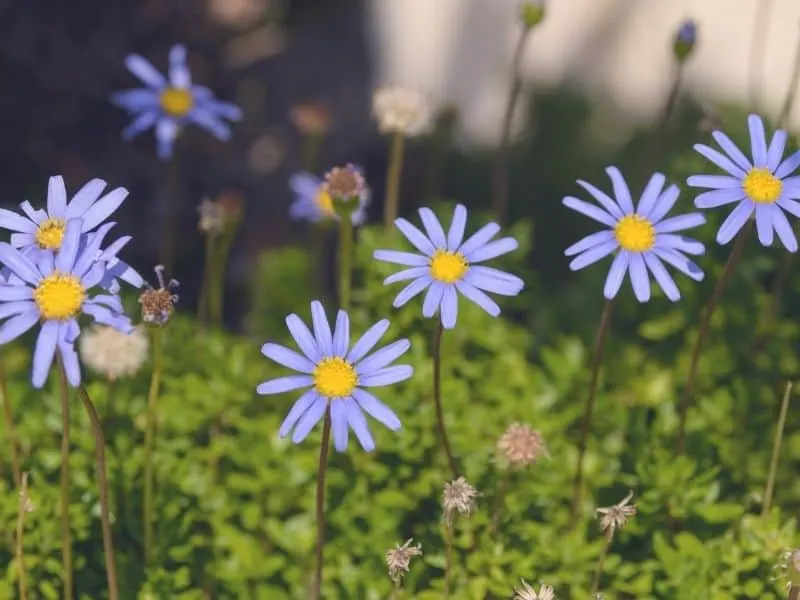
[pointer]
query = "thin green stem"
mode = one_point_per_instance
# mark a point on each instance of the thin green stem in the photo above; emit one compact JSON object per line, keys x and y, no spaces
{"x":20,"y":548}
{"x":66,"y":534}
{"x":397,"y":589}
{"x":345,"y":261}
{"x":601,"y":561}
{"x":172,"y":205}
{"x":776,"y":450}
{"x":500,"y":174}
{"x":499,"y":501}
{"x":203,"y":308}
{"x":218,"y":279}
{"x":437,"y":398}
{"x":448,"y":555}
{"x":11,"y":432}
{"x":705,"y":325}
{"x":597,"y":360}
{"x":149,"y":439}
{"x":392,"y":198}
{"x":316,"y":589}
{"x":311,"y":145}
{"x":105,"y":510}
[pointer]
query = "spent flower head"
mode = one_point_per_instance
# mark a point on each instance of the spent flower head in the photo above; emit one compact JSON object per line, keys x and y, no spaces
{"x":211,"y":218}
{"x":314,"y":203}
{"x":312,"y":118}
{"x":399,"y":558}
{"x":401,"y":110}
{"x":113,"y":354}
{"x":158,"y":304}
{"x":521,"y":445}
{"x":527,"y":592}
{"x":685,"y":40}
{"x":616,"y":516}
{"x":459,"y":496}
{"x":345,"y":186}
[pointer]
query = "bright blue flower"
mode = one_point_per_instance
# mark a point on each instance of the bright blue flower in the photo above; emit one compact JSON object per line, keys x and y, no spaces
{"x":54,"y":291}
{"x":448,"y":266}
{"x":762,"y":187}
{"x":170,"y":105}
{"x":313,"y":203}
{"x":642,"y":238}
{"x":336,"y":374}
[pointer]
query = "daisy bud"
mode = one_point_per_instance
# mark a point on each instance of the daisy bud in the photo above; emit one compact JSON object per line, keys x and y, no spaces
{"x":159,"y":304}
{"x":685,"y":40}
{"x":345,"y":186}
{"x":531,"y":13}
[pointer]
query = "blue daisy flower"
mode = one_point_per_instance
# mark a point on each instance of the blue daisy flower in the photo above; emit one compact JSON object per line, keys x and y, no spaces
{"x":641,"y":237}
{"x":336,"y":374}
{"x":762,"y":188}
{"x":313,"y":203}
{"x":170,"y":104}
{"x":116,"y":268}
{"x":448,"y":266}
{"x":54,"y":291}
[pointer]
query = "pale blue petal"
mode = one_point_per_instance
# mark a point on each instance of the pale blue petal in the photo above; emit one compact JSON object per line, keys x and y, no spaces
{"x":305,"y":185}
{"x":637,"y":271}
{"x":303,"y":338}
{"x":144,"y":70}
{"x":590,"y":241}
{"x":589,"y":210}
{"x":680,"y":242}
{"x":166,"y":132}
{"x":288,"y":358}
{"x":142,"y":122}
{"x":766,"y":233}
{"x":322,"y":329}
{"x":604,"y":199}
{"x":616,"y":274}
{"x":16,"y":326}
{"x":339,"y":426}
{"x":455,"y":234}
{"x":680,"y":262}
{"x":179,"y":75}
{"x":15,"y":222}
{"x":367,"y":341}
{"x":790,"y":206}
{"x":776,"y":148}
{"x":341,"y":335}
{"x":8,"y":309}
{"x":309,"y":419}
{"x":470,"y":292}
{"x":411,"y":290}
{"x":298,"y":409}
{"x":69,"y":359}
{"x":722,"y":161}
{"x":716,"y":198}
{"x":433,"y":298}
{"x":651,"y":194}
{"x":449,"y":307}
{"x":387,"y":376}
{"x":680,"y":223}
{"x":662,"y":277}
{"x":493,"y":250}
{"x":359,"y":424}
{"x":721,"y":182}
{"x":664,"y":203}
{"x":418,"y":239}
{"x":401,"y":258}
{"x":621,"y":190}
{"x":758,"y":141}
{"x":85,"y":197}
{"x":227,"y":110}
{"x":44,"y":352}
{"x":406,"y":274}
{"x":493,"y":273}
{"x":284,"y":384}
{"x":592,"y":255}
{"x":784,"y":231}
{"x":209,"y":121}
{"x":433,"y":227}
{"x":376,"y":409}
{"x":19,"y":264}
{"x":383,"y":357}
{"x":136,"y":100}
{"x":479,"y":238}
{"x":10,"y":293}
{"x":735,"y":221}
{"x":70,"y":244}
{"x":733,"y":150}
{"x":495,"y":285}
{"x":103,"y":208}
{"x":56,"y":196}
{"x":788,"y":166}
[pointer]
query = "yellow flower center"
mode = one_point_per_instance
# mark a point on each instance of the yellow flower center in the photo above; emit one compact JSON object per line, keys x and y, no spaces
{"x":59,"y":297}
{"x":325,"y":203}
{"x":448,"y":267}
{"x":50,"y":234}
{"x":335,"y":378}
{"x":762,"y":186}
{"x":176,"y":102}
{"x":635,"y":233}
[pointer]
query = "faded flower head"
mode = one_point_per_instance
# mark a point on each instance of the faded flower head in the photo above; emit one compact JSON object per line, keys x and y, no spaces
{"x":344,"y":183}
{"x":615,"y":517}
{"x":521,"y":445}
{"x":311,"y":118}
{"x":159,"y":304}
{"x":399,"y":558}
{"x":112,"y":353}
{"x":401,"y":110}
{"x":526,"y":592}
{"x":459,"y":496}
{"x":210,"y":217}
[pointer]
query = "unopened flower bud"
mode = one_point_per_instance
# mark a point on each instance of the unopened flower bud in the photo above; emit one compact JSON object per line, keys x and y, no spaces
{"x":531,"y":13}
{"x":685,"y":40}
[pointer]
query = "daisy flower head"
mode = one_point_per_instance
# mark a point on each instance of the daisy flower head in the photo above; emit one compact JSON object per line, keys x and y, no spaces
{"x":762,"y":188}
{"x":448,"y":266}
{"x":641,"y":237}
{"x":170,"y":103}
{"x":336,"y":375}
{"x":313,"y":202}
{"x":54,"y":290}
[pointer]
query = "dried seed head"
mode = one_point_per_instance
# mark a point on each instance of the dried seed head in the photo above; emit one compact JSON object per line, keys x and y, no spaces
{"x":344,"y":183}
{"x":521,"y":445}
{"x":526,"y":592}
{"x":211,"y":217}
{"x":399,"y":558}
{"x":401,"y":110}
{"x":159,"y":304}
{"x":531,"y":13}
{"x":615,"y":517}
{"x":112,"y":353}
{"x":459,"y":496}
{"x":311,"y":118}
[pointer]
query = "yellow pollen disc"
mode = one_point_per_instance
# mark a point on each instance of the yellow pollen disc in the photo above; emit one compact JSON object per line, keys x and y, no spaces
{"x":50,"y":234}
{"x":335,"y":378}
{"x":325,"y":203}
{"x":176,"y":102}
{"x":448,"y":267}
{"x":635,"y":233}
{"x":762,"y":186}
{"x":59,"y":297}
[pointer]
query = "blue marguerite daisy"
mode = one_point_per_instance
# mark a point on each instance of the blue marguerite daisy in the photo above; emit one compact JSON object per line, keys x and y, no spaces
{"x":762,"y":187}
{"x":313,"y":203}
{"x":116,"y":268}
{"x":170,"y":104}
{"x":54,"y":291}
{"x":448,"y":266}
{"x":641,"y":237}
{"x":336,"y":375}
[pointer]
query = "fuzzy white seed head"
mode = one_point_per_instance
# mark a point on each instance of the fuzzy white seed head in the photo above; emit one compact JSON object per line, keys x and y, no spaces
{"x":401,"y":110}
{"x":111,"y":353}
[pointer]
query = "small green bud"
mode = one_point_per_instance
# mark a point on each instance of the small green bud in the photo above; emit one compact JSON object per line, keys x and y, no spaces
{"x":531,"y":13}
{"x":685,"y":41}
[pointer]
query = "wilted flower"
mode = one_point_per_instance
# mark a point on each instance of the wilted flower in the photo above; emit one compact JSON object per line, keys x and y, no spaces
{"x":113,"y":354}
{"x":526,"y":592}
{"x":459,"y":496}
{"x":685,"y":40}
{"x":615,"y":517}
{"x":311,"y":119}
{"x":158,"y":304}
{"x":521,"y":445}
{"x":314,"y":203}
{"x":399,"y":559}
{"x":401,"y":110}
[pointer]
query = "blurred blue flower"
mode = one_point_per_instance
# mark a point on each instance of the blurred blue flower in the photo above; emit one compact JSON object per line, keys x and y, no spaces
{"x":170,"y":104}
{"x":313,"y":203}
{"x":762,"y":187}
{"x":447,"y":266}
{"x":642,"y":238}
{"x":336,"y":374}
{"x":54,"y":290}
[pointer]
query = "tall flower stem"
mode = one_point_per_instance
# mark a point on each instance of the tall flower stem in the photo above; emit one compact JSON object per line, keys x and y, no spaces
{"x":757,"y":49}
{"x":597,"y":360}
{"x":172,"y":205}
{"x":776,"y":450}
{"x":705,"y":324}
{"x":448,"y":555}
{"x":219,"y":272}
{"x":322,"y":469}
{"x":437,"y":397}
{"x":345,"y":261}
{"x":149,"y":439}
{"x":392,"y":197}
{"x":601,"y":561}
{"x":500,"y":173}
{"x":11,"y":432}
{"x":20,"y":548}
{"x":203,"y":307}
{"x":66,"y":534}
{"x":499,"y":501}
{"x":311,"y":145}
{"x":105,"y":511}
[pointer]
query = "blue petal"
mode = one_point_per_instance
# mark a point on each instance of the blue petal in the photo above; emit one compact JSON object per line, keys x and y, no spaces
{"x":310,"y":418}
{"x":493,"y":250}
{"x":166,"y":132}
{"x":401,"y":258}
{"x":144,"y":70}
{"x":305,"y":185}
{"x":44,"y":352}
{"x":733,"y":150}
{"x":592,"y":255}
{"x":722,"y":161}
{"x":179,"y":75}
{"x":680,"y":262}
{"x":758,"y":141}
{"x":103,"y":208}
{"x":382,"y":357}
{"x":56,"y":196}
{"x":716,"y":198}
{"x":415,"y":236}
{"x":714,"y":182}
{"x":455,"y":234}
{"x":16,"y":326}
{"x":19,"y":264}
{"x":790,"y":206}
{"x":651,"y":194}
{"x":406,"y":274}
{"x":621,"y":190}
{"x":680,"y":242}
{"x":284,"y":384}
{"x":227,"y":110}
{"x":387,"y":376}
{"x":303,"y":338}
{"x":208,"y":120}
{"x":298,"y":409}
{"x":470,"y":292}
{"x":411,"y":290}
{"x":784,"y":231}
{"x":766,"y":233}
{"x":339,"y":424}
{"x":433,"y":227}
{"x":10,"y":293}
{"x":639,"y":279}
{"x":776,"y":149}
{"x":288,"y":358}
{"x":8,"y":309}
{"x":85,"y":197}
{"x":680,"y":223}
{"x":495,"y":285}
{"x":590,"y":241}
{"x":70,"y":244}
{"x":735,"y":221}
{"x":341,"y":336}
{"x":359,"y":424}
{"x":449,"y":307}
{"x":322,"y":329}
{"x":590,"y":210}
{"x":788,"y":166}
{"x":136,"y":100}
{"x":616,"y":274}
{"x":15,"y":222}
{"x":479,"y":238}
{"x":664,"y":203}
{"x":69,"y":358}
{"x":367,"y":341}
{"x":604,"y":199}
{"x":662,"y":276}
{"x":433,"y":298}
{"x":376,"y":409}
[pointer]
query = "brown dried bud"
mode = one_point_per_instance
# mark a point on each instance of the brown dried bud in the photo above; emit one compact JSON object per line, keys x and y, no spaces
{"x":399,"y":559}
{"x":158,"y":304}
{"x":311,"y":118}
{"x":344,"y":183}
{"x":459,"y":496}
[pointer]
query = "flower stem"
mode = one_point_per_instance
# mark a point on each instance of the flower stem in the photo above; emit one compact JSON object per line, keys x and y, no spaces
{"x":203,"y":307}
{"x":218,"y":278}
{"x":499,"y":501}
{"x":105,"y":512}
{"x":66,"y":535}
{"x":776,"y":450}
{"x":500,"y":174}
{"x":311,"y":145}
{"x":705,"y":324}
{"x":20,"y":549}
{"x":597,"y":360}
{"x":391,"y":208}
{"x":601,"y":561}
{"x":437,"y":397}
{"x":172,"y":205}
{"x":397,"y":589}
{"x":149,"y":438}
{"x":11,"y":432}
{"x":316,"y":590}
{"x":448,"y":556}
{"x":757,"y":47}
{"x":345,"y":261}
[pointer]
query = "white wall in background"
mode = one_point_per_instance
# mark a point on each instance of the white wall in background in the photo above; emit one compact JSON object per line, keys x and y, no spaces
{"x":460,"y":51}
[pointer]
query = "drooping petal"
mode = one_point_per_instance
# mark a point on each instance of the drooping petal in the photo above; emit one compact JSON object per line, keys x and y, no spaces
{"x":359,"y":424}
{"x":298,"y":409}
{"x":367,"y":341}
{"x":455,"y":234}
{"x":470,"y":292}
{"x":418,"y":239}
{"x":662,"y":276}
{"x":284,"y":384}
{"x":616,"y":274}
{"x":411,"y":290}
{"x":386,"y":376}
{"x":288,"y":358}
{"x":376,"y":409}
{"x":44,"y":352}
{"x":735,"y":221}
{"x":309,"y":419}
{"x":383,"y":357}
